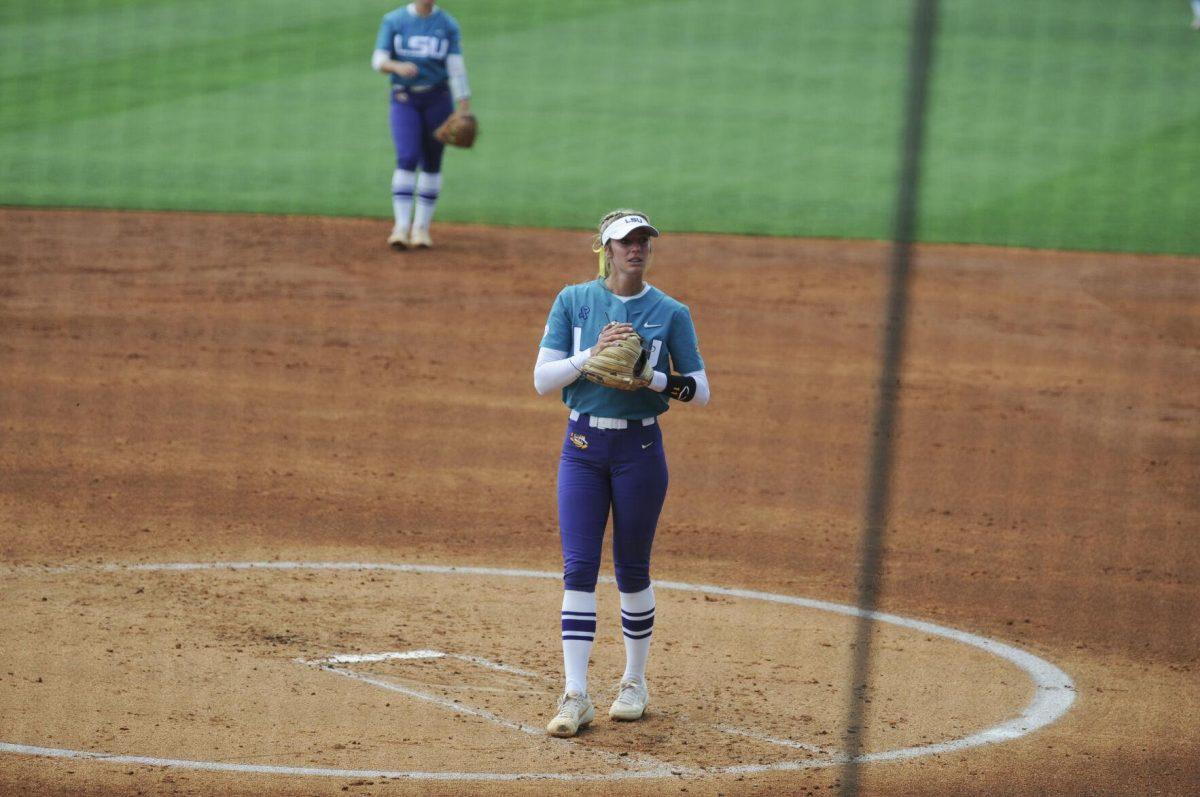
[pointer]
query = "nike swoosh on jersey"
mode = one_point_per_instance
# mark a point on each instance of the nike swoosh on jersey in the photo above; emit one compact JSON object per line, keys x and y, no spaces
{"x":647,"y":445}
{"x":648,"y":326}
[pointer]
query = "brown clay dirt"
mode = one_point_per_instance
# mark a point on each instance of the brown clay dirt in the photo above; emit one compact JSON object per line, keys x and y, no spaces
{"x":219,"y":388}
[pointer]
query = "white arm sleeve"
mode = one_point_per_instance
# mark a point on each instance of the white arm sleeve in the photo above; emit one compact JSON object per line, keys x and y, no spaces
{"x":703,"y":393}
{"x":379,"y":58}
{"x":555,"y":370}
{"x":456,"y":70}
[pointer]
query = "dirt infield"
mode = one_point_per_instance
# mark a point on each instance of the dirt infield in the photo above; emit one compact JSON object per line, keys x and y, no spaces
{"x":284,"y":392}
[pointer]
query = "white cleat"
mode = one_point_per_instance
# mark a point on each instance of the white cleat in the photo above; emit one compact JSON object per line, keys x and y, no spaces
{"x":574,"y":711}
{"x":399,"y":238}
{"x":420,"y":238}
{"x":631,"y":702}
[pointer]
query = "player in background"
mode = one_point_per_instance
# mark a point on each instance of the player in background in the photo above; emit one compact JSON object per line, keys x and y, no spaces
{"x":612,"y":454}
{"x":419,"y":46}
{"x":1195,"y":14}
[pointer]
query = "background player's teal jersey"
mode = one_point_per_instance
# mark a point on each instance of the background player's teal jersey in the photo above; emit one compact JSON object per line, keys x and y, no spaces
{"x":581,"y":311}
{"x":423,"y":41}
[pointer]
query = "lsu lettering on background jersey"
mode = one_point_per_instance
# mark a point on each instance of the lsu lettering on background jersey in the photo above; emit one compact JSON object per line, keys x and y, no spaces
{"x":423,"y":41}
{"x":581,"y":311}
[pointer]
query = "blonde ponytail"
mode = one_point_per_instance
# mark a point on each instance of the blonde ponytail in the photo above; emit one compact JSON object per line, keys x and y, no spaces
{"x":602,"y":268}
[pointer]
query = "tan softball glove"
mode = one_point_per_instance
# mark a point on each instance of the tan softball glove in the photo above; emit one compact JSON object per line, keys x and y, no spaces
{"x":459,"y":130}
{"x":624,"y":365}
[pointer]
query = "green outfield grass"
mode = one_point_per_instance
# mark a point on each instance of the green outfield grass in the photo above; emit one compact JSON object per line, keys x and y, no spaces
{"x":1053,"y":123}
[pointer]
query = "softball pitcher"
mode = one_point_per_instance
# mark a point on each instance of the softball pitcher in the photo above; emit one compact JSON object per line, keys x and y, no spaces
{"x":420,"y":46}
{"x":612,"y":453}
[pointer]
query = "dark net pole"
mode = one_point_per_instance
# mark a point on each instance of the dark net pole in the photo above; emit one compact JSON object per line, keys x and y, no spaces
{"x":924,"y":24}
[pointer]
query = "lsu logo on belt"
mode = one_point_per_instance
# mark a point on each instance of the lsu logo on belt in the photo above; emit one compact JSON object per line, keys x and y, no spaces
{"x":579,"y":440}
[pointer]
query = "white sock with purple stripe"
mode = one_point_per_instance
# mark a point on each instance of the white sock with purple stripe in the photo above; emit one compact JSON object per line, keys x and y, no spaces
{"x":578,"y":633}
{"x":637,"y":624}
{"x":429,"y":186}
{"x":403,"y":184}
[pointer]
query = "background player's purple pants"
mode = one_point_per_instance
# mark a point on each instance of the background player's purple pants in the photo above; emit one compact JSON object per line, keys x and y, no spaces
{"x":414,"y":118}
{"x":625,"y":469}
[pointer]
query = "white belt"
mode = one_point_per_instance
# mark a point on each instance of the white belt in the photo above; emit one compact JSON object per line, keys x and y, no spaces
{"x":612,"y":423}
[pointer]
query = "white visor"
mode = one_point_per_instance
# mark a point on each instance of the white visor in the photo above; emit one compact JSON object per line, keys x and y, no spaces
{"x":625,"y":225}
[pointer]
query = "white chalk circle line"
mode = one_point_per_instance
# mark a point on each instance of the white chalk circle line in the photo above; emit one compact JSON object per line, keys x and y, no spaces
{"x":1053,"y":696}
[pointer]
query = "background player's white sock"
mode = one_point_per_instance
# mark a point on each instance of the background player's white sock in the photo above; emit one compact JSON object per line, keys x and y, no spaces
{"x":637,"y":624}
{"x":429,"y":186}
{"x":1196,"y":9}
{"x":403,"y":183}
{"x":578,"y":633}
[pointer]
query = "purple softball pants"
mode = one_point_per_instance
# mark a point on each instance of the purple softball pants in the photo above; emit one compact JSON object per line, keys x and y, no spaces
{"x":414,"y":118}
{"x":624,"y":470}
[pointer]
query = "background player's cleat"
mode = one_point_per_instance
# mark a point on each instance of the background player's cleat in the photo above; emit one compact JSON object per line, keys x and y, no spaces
{"x":632,"y":698}
{"x":399,"y":238}
{"x":574,"y":711}
{"x":420,"y":238}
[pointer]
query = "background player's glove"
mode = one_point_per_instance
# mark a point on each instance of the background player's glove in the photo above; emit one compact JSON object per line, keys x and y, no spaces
{"x":460,"y":130}
{"x":624,"y":365}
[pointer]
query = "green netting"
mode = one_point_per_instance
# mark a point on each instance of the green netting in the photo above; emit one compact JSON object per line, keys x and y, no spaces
{"x":1052,"y":124}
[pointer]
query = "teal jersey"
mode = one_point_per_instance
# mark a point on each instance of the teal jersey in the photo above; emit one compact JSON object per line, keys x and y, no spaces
{"x":581,"y":311}
{"x":424,"y":41}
